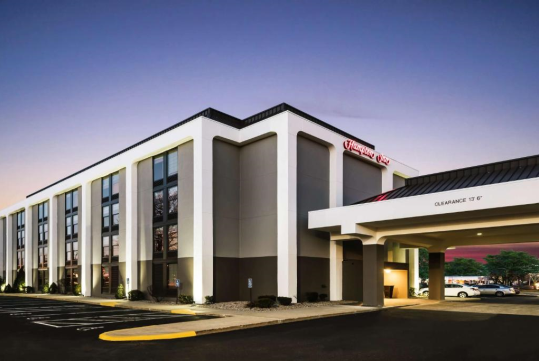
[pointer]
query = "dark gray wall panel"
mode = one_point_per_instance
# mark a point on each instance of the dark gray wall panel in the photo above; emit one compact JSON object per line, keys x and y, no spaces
{"x":312,"y":194}
{"x":226,"y":278}
{"x":352,"y":279}
{"x":360,"y":180}
{"x":263,"y":271}
{"x":144,"y":269}
{"x":352,"y":250}
{"x":313,"y":274}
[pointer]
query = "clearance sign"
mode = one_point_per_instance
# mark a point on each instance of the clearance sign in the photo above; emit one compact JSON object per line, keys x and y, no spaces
{"x":353,"y":146}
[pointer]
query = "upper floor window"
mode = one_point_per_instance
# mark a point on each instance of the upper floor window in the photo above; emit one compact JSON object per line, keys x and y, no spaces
{"x":110,"y":187}
{"x":20,"y":219}
{"x":72,"y":201}
{"x":158,"y":170}
{"x":72,"y":226}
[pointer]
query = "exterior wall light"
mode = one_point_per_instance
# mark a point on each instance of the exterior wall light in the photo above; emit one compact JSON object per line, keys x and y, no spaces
{"x":387,"y":270}
{"x":479,"y":234}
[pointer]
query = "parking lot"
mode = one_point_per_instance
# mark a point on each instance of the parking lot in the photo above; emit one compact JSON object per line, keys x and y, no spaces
{"x":58,"y":318}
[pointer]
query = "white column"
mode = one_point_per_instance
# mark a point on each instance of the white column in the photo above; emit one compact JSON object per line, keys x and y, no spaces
{"x":53,"y":240}
{"x":86,"y":239}
{"x":28,"y":246}
{"x":203,"y":218}
{"x":9,"y":250}
{"x":287,"y":255}
{"x":336,"y":200}
{"x":131,"y":234}
{"x":413,"y":271}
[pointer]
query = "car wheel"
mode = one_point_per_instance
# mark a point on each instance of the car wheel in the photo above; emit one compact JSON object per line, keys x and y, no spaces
{"x":426,"y":293}
{"x":463,"y":294}
{"x":499,"y":294}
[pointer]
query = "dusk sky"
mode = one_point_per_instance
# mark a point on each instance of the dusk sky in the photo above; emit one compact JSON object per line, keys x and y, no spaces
{"x":434,"y":85}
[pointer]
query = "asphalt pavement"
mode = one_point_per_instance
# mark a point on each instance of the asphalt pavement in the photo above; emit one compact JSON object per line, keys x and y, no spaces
{"x":389,"y":334}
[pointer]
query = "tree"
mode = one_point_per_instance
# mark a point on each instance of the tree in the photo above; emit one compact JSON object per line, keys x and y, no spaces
{"x":509,"y":266}
{"x":423,"y":264}
{"x":465,"y":267}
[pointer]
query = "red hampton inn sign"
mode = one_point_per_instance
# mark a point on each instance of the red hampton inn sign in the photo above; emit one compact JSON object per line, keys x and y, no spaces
{"x":353,"y":146}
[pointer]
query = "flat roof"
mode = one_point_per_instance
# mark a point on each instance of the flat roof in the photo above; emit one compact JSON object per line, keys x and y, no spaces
{"x":225,"y":119}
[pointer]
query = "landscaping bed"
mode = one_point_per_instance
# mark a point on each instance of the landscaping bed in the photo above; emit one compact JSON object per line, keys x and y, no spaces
{"x":242,"y":305}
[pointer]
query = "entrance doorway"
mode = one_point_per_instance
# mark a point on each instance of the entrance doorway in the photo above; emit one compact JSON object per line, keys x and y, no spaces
{"x":71,"y":279}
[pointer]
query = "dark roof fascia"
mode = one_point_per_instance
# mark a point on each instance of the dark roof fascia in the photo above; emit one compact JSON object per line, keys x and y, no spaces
{"x":478,"y":169}
{"x":284,"y":107}
{"x":224,"y":118}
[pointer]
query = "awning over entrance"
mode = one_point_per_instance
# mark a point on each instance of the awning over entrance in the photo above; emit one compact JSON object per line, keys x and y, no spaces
{"x":501,"y":208}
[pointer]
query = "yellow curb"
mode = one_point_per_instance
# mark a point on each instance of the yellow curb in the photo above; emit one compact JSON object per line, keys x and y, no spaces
{"x":108,"y":304}
{"x":183,"y":312}
{"x":164,"y":336}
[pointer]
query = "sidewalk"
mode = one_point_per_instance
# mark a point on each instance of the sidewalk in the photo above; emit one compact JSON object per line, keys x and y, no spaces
{"x":227,"y":320}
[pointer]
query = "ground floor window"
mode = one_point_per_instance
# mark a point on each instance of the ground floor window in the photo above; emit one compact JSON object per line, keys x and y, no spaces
{"x":42,"y":278}
{"x":164,"y":277}
{"x":110,"y":279}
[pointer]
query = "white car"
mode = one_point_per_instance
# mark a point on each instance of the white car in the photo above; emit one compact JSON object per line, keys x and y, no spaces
{"x":455,"y":290}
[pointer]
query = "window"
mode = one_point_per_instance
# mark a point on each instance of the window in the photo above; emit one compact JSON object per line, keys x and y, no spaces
{"x":106,"y":248}
{"x":75,"y":252}
{"x":115,"y":246}
{"x":105,"y":279}
{"x":68,"y":202}
{"x":158,"y":239}
{"x":45,"y":211}
{"x":115,"y":214}
{"x":69,"y":254}
{"x":115,"y":184}
{"x":158,"y":170}
{"x":40,"y":212}
{"x":40,"y":233}
{"x":110,"y":219}
{"x":172,"y":165}
{"x":158,"y":205}
{"x":40,"y":257}
{"x":75,"y":225}
{"x":172,"y":238}
{"x":165,"y":220}
{"x":75,"y":201}
{"x":106,"y":217}
{"x":43,"y":236}
{"x":173,"y":200}
{"x":105,"y":188}
{"x":68,"y":227}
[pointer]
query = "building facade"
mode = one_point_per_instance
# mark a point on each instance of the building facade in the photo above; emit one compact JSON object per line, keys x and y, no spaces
{"x":212,"y":202}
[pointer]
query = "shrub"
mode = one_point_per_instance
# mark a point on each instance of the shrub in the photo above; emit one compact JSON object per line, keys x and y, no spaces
{"x":274,"y":298}
{"x":186,"y":299}
{"x":156,"y":294}
{"x":77,"y":290}
{"x":312,"y":296}
{"x":284,"y":301}
{"x":29,"y":289}
{"x":136,"y":295}
{"x":53,"y":288}
{"x":120,"y":292}
{"x":323,"y":297}
{"x":264,"y":303}
{"x":210,"y":300}
{"x":8,"y":289}
{"x":2,"y":287}
{"x":18,"y":284}
{"x":45,"y":289}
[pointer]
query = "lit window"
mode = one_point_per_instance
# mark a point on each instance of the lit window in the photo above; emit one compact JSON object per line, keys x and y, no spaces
{"x":106,"y":247}
{"x":173,"y":200}
{"x":158,"y":239}
{"x":173,"y":238}
{"x":115,"y":246}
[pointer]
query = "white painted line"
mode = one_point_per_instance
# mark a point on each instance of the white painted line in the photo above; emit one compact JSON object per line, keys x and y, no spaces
{"x":93,"y":321}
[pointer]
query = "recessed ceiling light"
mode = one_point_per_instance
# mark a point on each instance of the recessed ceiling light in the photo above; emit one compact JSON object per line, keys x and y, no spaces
{"x":479,"y":234}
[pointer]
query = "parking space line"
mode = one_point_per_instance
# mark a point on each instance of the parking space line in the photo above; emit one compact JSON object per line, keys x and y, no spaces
{"x":92,"y":321}
{"x":78,"y":313}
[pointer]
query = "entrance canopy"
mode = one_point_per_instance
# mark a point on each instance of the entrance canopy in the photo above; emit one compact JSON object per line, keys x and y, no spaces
{"x":489,"y":204}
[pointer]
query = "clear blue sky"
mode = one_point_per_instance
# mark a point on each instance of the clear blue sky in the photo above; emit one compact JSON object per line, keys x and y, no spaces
{"x":436,"y":85}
